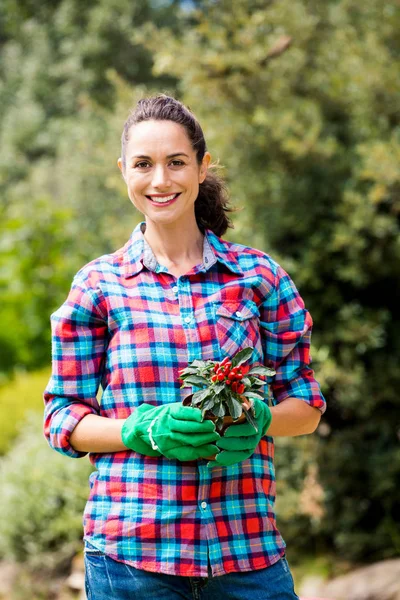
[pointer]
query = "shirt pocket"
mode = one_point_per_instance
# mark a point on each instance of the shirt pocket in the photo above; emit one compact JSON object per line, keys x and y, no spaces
{"x":238,"y":326}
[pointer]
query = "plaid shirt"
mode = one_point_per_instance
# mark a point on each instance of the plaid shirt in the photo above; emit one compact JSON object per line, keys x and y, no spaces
{"x":130,"y":326}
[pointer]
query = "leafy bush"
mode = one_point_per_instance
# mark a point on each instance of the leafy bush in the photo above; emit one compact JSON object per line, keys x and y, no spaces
{"x":43,"y":497}
{"x":310,"y":140}
{"x":300,"y":505}
{"x":22,"y":394}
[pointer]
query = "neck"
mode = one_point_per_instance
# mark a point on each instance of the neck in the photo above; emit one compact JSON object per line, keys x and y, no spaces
{"x":173,"y":245}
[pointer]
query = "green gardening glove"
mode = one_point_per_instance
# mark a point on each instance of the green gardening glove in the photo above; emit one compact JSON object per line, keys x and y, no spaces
{"x":240,"y":441}
{"x":173,"y":430}
{"x":141,"y":445}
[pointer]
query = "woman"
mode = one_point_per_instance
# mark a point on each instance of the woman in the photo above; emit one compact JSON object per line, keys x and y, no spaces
{"x":161,"y":520}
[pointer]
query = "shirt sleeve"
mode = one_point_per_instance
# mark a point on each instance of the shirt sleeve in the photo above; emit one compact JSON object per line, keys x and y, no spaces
{"x":79,"y":341}
{"x":286,"y":332}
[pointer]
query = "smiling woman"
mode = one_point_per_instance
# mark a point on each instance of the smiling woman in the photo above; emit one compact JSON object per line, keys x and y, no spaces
{"x":165,"y":165}
{"x":162,"y":171}
{"x":162,"y":520}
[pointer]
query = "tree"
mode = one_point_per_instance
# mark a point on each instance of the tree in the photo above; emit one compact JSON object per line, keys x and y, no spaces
{"x":68,"y":76}
{"x":300,"y":101}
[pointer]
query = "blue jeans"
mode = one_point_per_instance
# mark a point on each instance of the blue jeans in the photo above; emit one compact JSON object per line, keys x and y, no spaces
{"x":107,"y":579}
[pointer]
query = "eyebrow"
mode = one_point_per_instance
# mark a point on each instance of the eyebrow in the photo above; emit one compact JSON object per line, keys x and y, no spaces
{"x":168,"y":156}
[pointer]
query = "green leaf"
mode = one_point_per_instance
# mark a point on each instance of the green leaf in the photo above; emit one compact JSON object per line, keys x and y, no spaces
{"x":188,"y":371}
{"x":185,"y":385}
{"x":256,"y":381}
{"x":253,"y":395}
{"x":218,"y":388}
{"x":259,"y":370}
{"x":235,"y":407}
{"x":196,"y":380}
{"x":208,"y":405}
{"x":198,"y":363}
{"x":242,"y":356}
{"x":200,"y":395}
{"x":218,"y":410}
{"x":250,"y":418}
{"x":219,"y":423}
{"x":210,"y":402}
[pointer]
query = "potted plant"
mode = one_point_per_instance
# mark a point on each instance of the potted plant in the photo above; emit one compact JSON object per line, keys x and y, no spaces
{"x":227,"y":388}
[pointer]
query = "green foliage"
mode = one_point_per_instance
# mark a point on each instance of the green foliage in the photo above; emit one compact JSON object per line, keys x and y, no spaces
{"x":300,"y":100}
{"x":43,"y":497}
{"x":65,"y":67}
{"x":22,"y":395}
{"x":224,"y":386}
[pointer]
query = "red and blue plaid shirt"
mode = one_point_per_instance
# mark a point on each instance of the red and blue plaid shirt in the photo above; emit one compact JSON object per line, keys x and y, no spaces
{"x":130,"y":326}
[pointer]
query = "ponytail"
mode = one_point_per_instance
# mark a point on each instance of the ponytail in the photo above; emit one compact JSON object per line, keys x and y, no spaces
{"x":212,"y":204}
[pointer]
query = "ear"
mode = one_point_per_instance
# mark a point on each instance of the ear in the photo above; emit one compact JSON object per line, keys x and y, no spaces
{"x":121,"y":167}
{"x":204,"y":167}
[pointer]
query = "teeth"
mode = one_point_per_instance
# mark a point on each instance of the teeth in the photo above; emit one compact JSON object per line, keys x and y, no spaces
{"x":163,"y":199}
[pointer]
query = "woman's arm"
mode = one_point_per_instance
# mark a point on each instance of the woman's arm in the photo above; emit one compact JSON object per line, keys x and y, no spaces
{"x":286,"y":335}
{"x":293,"y":417}
{"x":79,"y":342}
{"x":98,"y":434}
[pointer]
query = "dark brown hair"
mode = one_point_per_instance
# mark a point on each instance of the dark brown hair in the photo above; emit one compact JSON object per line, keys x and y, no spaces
{"x":212,"y":203}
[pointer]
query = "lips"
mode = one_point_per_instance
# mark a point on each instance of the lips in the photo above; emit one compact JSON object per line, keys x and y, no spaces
{"x":163,"y":199}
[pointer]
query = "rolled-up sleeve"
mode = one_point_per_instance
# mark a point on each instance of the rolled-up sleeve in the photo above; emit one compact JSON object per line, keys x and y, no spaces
{"x":79,"y":340}
{"x":286,"y":332}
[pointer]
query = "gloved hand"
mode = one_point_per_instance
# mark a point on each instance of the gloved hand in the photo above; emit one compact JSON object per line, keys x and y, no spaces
{"x":173,"y":430}
{"x":240,"y":441}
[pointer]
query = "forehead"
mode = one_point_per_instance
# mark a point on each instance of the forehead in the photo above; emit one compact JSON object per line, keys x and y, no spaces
{"x":152,"y":138}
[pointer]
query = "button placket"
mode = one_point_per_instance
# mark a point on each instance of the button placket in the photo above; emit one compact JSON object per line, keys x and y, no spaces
{"x":183,"y":288}
{"x":211,"y":533}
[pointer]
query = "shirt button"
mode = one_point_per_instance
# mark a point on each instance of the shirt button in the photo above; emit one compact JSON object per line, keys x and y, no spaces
{"x":204,"y":505}
{"x":175,"y":289}
{"x":206,"y":260}
{"x":238,"y":313}
{"x":188,"y":319}
{"x":183,"y":279}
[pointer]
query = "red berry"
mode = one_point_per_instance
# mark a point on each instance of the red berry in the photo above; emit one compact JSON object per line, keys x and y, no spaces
{"x":214,"y":378}
{"x":216,"y":367}
{"x":245,"y":369}
{"x":234,"y":386}
{"x":228,"y":382}
{"x":220,"y":376}
{"x":226,"y":359}
{"x":241,"y":388}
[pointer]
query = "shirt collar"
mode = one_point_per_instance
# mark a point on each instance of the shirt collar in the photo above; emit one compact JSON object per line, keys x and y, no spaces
{"x":138,"y":254}
{"x":221,"y":251}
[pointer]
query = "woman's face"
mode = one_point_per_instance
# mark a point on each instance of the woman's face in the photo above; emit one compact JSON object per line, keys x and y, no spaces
{"x":162,"y":173}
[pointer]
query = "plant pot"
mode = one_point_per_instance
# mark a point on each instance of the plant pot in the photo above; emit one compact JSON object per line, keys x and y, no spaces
{"x":227,"y":422}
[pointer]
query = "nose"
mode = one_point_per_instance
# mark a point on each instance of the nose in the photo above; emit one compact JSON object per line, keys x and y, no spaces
{"x":160,"y":178}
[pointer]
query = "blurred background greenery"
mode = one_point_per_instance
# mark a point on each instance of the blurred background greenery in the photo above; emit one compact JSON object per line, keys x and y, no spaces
{"x":300,"y":102}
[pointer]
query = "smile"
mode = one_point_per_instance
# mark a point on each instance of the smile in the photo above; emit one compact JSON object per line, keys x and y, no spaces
{"x":158,"y":199}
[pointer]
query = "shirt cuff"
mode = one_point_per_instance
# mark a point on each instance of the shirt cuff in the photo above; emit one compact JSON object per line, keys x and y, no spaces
{"x":59,"y":427}
{"x":304,"y":388}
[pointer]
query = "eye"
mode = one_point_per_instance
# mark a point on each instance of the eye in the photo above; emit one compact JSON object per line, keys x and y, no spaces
{"x":177,"y":163}
{"x":142,"y":164}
